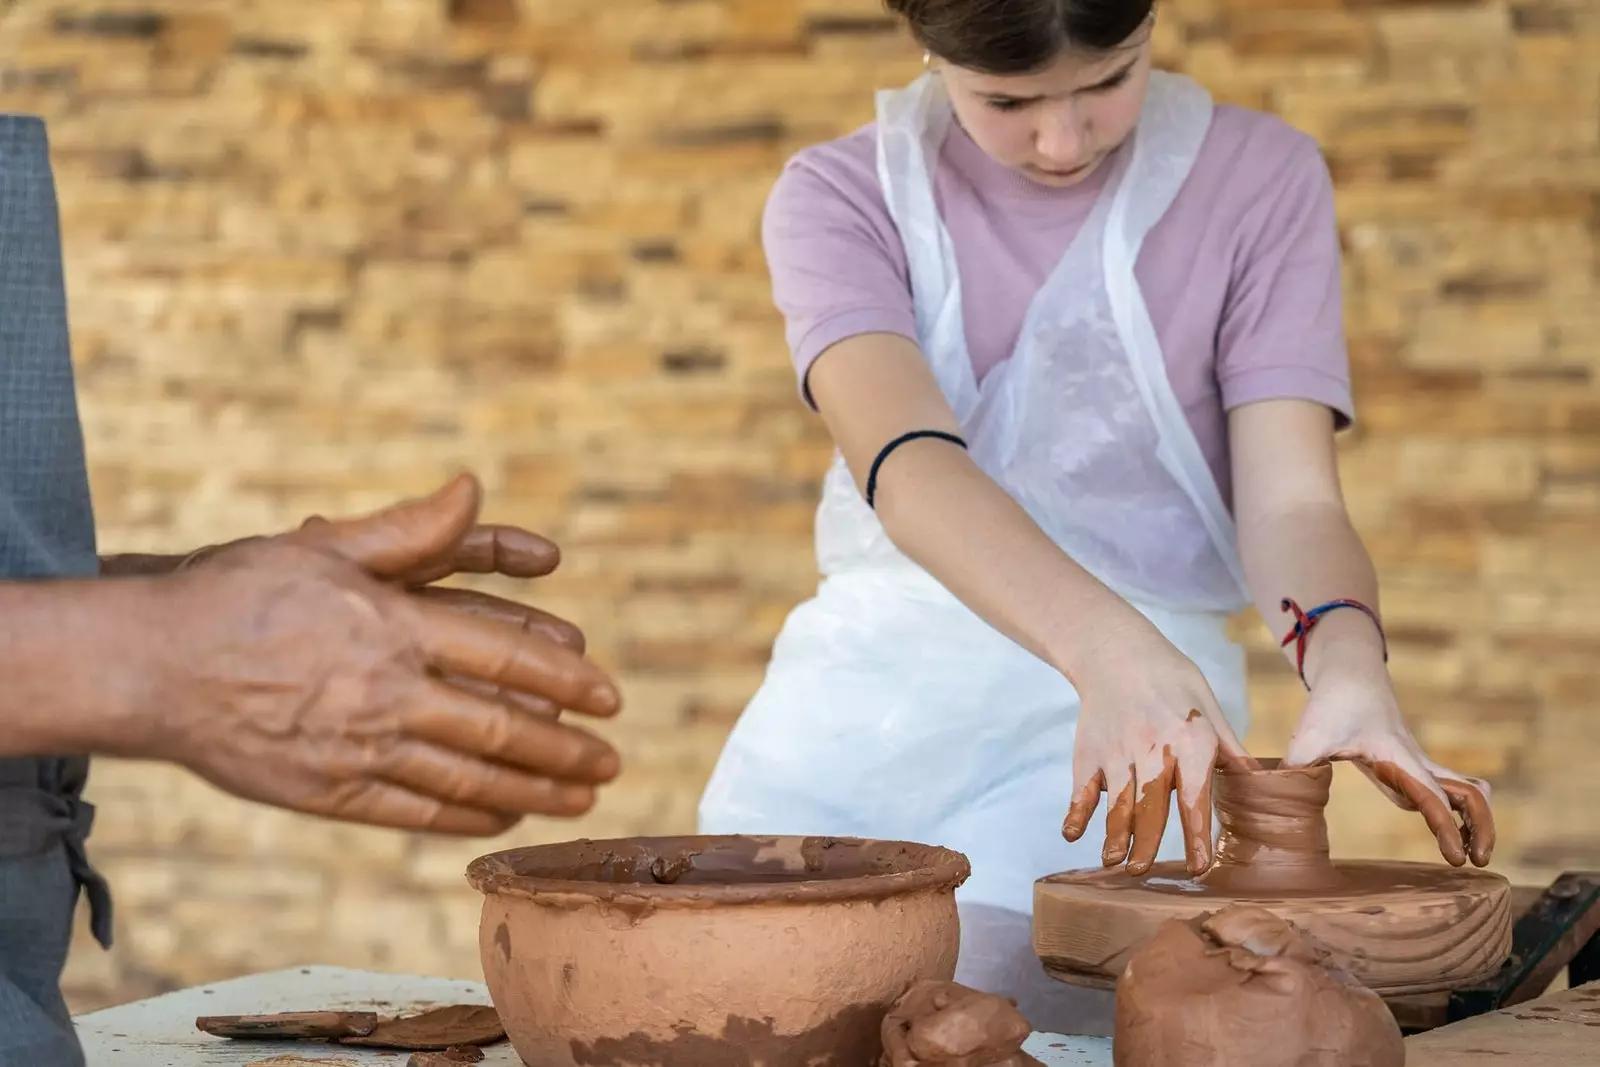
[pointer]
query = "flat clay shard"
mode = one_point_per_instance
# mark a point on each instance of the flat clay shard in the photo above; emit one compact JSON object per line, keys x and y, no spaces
{"x":436,"y":1030}
{"x":1243,"y":986}
{"x":942,"y":1024}
{"x":290,"y":1026}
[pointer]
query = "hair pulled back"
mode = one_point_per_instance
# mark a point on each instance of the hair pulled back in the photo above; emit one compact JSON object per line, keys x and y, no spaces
{"x":1004,"y":37}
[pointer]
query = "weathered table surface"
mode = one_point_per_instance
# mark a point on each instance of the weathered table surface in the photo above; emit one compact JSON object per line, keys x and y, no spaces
{"x":160,"y":1032}
{"x":1558,"y":1030}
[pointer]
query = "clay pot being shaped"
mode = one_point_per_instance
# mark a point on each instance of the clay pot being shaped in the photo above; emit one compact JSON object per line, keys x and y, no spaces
{"x":700,"y":951}
{"x":1398,"y":928}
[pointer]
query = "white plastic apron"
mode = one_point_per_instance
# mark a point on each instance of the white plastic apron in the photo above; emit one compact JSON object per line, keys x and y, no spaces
{"x":890,"y":709}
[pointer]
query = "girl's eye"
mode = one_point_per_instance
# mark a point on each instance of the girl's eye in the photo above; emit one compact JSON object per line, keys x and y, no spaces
{"x":1111,"y":83}
{"x":1006,"y":105}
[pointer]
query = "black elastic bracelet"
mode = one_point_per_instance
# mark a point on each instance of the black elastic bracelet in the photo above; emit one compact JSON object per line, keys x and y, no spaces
{"x":883,"y":454}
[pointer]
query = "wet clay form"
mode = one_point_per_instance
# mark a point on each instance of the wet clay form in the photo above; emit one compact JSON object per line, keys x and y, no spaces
{"x":712,"y":951}
{"x":441,"y":1028}
{"x":1244,"y":986}
{"x":452,"y":1029}
{"x":941,"y":1024}
{"x":290,"y":1026}
{"x":1398,"y":928}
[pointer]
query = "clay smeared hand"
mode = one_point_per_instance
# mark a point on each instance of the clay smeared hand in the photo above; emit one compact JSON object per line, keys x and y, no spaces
{"x":1353,"y":715}
{"x":303,"y":674}
{"x":1149,"y":727}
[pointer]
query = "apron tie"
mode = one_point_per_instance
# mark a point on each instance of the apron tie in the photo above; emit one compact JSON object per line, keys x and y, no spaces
{"x":33,"y":820}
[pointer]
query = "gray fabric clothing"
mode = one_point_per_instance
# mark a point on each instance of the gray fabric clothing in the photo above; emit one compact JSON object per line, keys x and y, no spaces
{"x":46,"y":532}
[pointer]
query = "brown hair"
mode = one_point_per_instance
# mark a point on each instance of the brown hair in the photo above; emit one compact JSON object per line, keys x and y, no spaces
{"x":1018,"y":36}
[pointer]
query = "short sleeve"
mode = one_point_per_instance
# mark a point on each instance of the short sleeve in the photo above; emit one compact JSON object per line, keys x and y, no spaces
{"x":837,"y":265}
{"x":1282,"y":331}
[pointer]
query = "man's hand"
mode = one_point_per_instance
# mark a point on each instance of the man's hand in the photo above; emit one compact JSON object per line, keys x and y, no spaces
{"x":302,"y":670}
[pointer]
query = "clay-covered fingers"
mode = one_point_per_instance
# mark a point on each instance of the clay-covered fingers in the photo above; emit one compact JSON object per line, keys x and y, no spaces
{"x":1470,"y":799}
{"x":1157,"y":776}
{"x":1192,"y":783}
{"x":461,"y":781}
{"x":464,"y":723}
{"x":468,"y":646}
{"x":379,"y":803}
{"x":498,"y":609}
{"x":1119,"y":815}
{"x":1089,"y":783}
{"x":1408,"y":778}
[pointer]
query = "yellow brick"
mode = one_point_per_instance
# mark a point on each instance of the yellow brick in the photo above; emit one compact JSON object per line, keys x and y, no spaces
{"x":318,"y":259}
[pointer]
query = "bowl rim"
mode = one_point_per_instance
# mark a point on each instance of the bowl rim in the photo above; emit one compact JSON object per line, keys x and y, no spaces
{"x":493,"y":875}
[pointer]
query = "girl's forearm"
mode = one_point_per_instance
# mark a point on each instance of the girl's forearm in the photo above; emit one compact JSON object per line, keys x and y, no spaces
{"x":945,"y":513}
{"x":1312,"y":554}
{"x":942,"y":511}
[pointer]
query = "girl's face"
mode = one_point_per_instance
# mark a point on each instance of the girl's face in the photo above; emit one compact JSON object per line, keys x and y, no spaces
{"x":1058,"y":124}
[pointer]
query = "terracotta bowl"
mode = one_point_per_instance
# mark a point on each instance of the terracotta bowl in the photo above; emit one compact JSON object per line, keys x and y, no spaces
{"x":697,"y":951}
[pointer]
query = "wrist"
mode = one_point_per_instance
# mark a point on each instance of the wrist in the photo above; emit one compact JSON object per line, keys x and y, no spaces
{"x":1098,"y":640}
{"x":80,"y":661}
{"x":1344,"y":643}
{"x":135,"y":564}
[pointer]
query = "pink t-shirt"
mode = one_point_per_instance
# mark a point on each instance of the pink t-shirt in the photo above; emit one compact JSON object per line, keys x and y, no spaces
{"x":1242,"y":275}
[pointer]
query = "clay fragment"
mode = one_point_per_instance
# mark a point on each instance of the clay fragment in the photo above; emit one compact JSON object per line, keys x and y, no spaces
{"x":942,"y":1024}
{"x":454,"y":1056}
{"x":436,"y":1030}
{"x":1243,"y":985}
{"x":290,"y":1026}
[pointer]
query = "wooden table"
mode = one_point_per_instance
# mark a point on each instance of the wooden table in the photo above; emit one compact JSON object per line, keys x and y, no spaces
{"x":160,"y":1032}
{"x":1559,"y":1030}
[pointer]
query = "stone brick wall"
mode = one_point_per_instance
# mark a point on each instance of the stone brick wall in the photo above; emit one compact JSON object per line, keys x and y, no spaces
{"x":324,"y":252}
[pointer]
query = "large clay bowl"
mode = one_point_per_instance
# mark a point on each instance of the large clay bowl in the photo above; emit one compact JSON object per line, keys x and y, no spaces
{"x":704,"y":951}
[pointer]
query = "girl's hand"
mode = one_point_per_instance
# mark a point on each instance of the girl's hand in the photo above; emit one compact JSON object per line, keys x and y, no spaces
{"x":1149,"y":726}
{"x":1352,"y":715}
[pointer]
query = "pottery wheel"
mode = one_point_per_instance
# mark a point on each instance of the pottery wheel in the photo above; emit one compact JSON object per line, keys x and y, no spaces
{"x":1398,"y":928}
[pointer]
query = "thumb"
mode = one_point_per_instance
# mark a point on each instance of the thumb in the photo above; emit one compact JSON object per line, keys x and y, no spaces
{"x":1305,"y":748}
{"x":1230,"y":750}
{"x":402,"y":537}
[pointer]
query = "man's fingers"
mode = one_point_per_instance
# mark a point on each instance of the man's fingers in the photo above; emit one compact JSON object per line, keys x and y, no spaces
{"x":401,"y":538}
{"x":471,"y":725}
{"x":1084,"y":800}
{"x":1150,"y":813}
{"x":1433,"y":804}
{"x":523,"y":702}
{"x":377,"y":803}
{"x":491,"y":549}
{"x":1119,"y":821}
{"x":1477,"y":818}
{"x":465,"y":782}
{"x":509,"y":612}
{"x":461,"y":644}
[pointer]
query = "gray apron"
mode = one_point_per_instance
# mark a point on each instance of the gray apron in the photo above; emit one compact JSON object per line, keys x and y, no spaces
{"x":46,"y":531}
